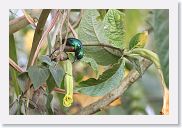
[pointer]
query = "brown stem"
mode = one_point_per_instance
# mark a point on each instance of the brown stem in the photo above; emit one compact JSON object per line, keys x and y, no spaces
{"x":17,"y":24}
{"x":38,"y":34}
{"x":72,"y":30}
{"x":15,"y":66}
{"x":40,"y":44}
{"x":132,"y":77}
{"x":79,"y":19}
{"x":75,"y":24}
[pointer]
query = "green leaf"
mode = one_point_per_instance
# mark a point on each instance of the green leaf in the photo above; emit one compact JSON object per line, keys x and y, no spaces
{"x":38,"y":75}
{"x":109,"y":80}
{"x":91,"y":62}
{"x":92,"y":31}
{"x":154,"y":58}
{"x":102,"y":13}
{"x":13,"y":56}
{"x":114,"y":26}
{"x":48,"y":104}
{"x":100,"y":55}
{"x":139,"y":40}
{"x":58,"y":73}
{"x":134,"y":40}
{"x":23,"y":80}
{"x":161,"y":37}
{"x":51,"y":84}
{"x":136,"y":63}
{"x":45,"y":59}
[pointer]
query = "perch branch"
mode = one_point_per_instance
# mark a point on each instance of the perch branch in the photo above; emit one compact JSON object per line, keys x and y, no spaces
{"x":15,"y":66}
{"x":17,"y":24}
{"x":132,"y":77}
{"x":38,"y":34}
{"x":41,"y":42}
{"x":72,"y":30}
{"x":104,"y":45}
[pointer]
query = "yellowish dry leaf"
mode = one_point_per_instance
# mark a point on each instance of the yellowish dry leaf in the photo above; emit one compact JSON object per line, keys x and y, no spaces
{"x":116,"y":102}
{"x":165,"y":107}
{"x":85,"y":100}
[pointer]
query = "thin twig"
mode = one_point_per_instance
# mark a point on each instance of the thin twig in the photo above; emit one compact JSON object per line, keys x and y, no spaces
{"x":29,"y":18}
{"x":62,"y":91}
{"x":76,"y":23}
{"x":45,"y":35}
{"x":38,"y":33}
{"x":58,"y":90}
{"x":15,"y":66}
{"x":79,"y":19}
{"x":67,"y":28}
{"x":72,"y":30}
{"x":132,"y":77}
{"x":17,"y":24}
{"x":64,"y":16}
{"x":104,"y":45}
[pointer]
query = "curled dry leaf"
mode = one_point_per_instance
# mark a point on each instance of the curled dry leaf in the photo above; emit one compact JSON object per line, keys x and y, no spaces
{"x":165,"y":107}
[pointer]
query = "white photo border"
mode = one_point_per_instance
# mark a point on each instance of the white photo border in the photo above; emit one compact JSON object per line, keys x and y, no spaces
{"x":172,"y":118}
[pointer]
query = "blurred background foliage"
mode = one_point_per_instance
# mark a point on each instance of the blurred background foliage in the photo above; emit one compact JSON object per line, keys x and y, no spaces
{"x":144,"y":97}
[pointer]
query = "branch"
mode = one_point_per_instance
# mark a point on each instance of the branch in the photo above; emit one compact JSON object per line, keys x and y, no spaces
{"x":30,"y":19}
{"x":72,"y":30}
{"x":41,"y":42}
{"x":104,"y":45}
{"x":38,"y":34}
{"x":132,"y":77}
{"x":15,"y":66}
{"x":73,"y":26}
{"x":79,"y":19}
{"x":17,"y":24}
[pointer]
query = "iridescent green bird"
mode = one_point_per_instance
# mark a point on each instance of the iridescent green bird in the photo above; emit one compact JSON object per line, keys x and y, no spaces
{"x":139,"y":40}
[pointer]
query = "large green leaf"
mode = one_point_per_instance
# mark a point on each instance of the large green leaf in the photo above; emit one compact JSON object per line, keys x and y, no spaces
{"x":38,"y":75}
{"x":51,"y":84}
{"x":114,"y":26}
{"x":92,"y":31}
{"x":13,"y":56}
{"x":45,"y":59}
{"x":109,"y":80}
{"x":161,"y":37}
{"x":23,"y":81}
{"x":58,"y":73}
{"x":91,"y":62}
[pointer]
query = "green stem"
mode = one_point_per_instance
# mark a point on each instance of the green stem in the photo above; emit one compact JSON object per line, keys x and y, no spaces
{"x":154,"y":58}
